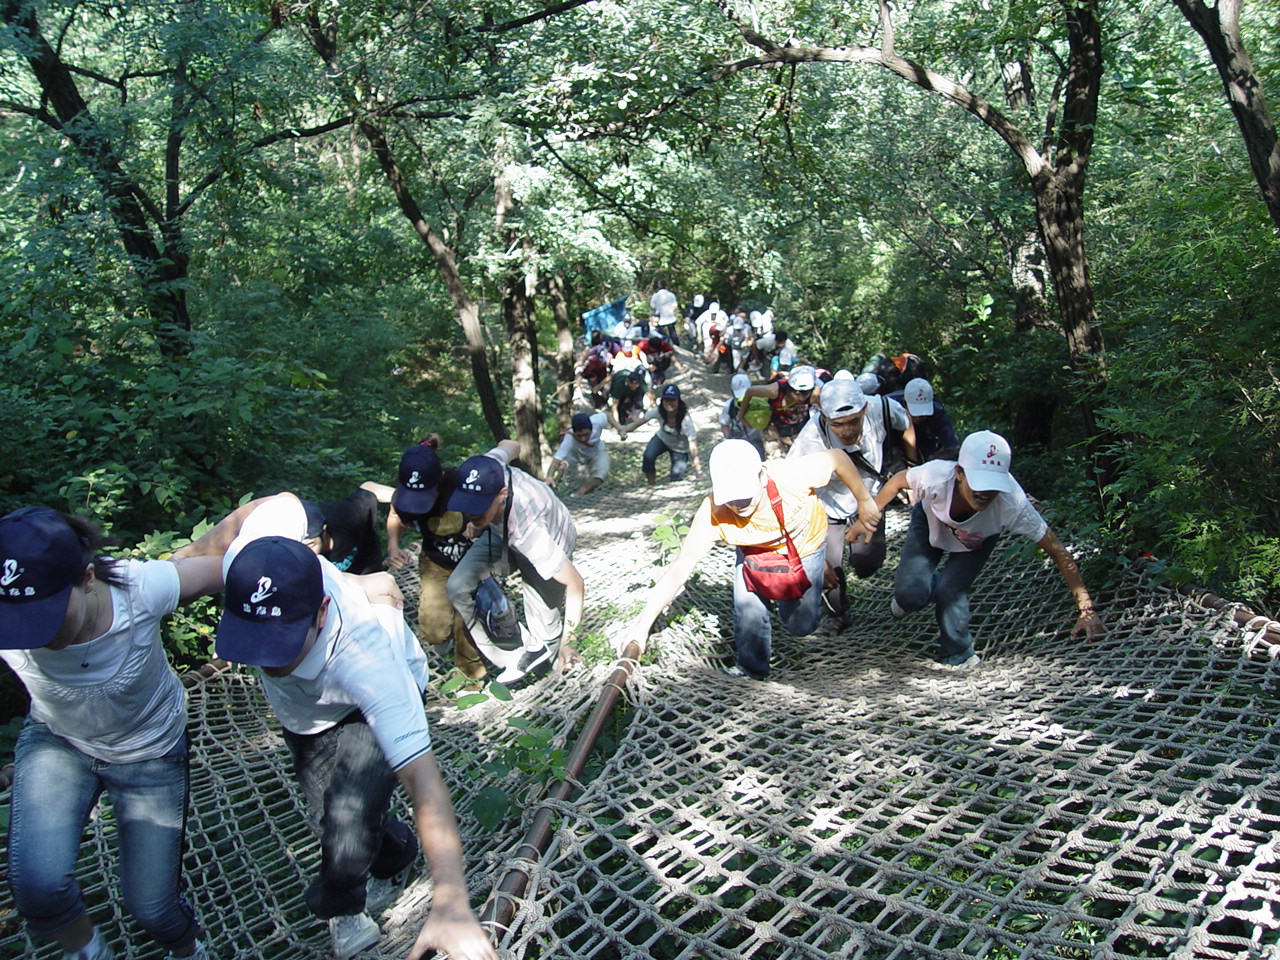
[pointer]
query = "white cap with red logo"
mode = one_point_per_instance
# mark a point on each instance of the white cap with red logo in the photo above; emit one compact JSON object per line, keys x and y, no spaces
{"x":985,"y":457}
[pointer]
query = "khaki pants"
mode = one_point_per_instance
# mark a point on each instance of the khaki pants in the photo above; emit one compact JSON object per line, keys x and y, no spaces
{"x":438,"y":621}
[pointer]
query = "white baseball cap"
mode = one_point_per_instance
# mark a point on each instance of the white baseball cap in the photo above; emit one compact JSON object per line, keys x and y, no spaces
{"x":985,"y":457}
{"x":739,"y":385}
{"x":841,"y":398}
{"x":802,"y":378}
{"x":735,"y":471}
{"x":919,"y":397}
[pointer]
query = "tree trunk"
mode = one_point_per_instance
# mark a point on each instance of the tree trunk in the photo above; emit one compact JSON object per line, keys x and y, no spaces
{"x":1033,"y":419}
{"x":1219,"y":27}
{"x":522,"y":331}
{"x":447,"y":262}
{"x":161,"y":276}
{"x":558,"y":293}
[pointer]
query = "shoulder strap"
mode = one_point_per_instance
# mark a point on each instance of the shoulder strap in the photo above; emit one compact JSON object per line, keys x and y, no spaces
{"x":775,"y":498}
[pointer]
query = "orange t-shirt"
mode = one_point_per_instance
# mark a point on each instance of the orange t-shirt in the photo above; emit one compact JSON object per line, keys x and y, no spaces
{"x":805,"y":518}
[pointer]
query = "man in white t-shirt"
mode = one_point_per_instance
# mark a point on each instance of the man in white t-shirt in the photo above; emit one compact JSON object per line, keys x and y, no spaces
{"x":850,"y":422}
{"x":583,"y":445}
{"x":959,"y":511}
{"x":663,"y":307}
{"x":345,"y":676}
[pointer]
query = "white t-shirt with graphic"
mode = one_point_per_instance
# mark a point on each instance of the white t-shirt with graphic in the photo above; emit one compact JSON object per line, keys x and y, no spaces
{"x":675,"y":439}
{"x":931,"y":485}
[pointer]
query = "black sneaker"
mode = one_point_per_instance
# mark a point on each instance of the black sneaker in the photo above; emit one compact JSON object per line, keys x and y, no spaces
{"x":531,"y":665}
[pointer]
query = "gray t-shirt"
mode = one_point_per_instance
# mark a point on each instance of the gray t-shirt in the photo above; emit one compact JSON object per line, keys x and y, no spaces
{"x":675,"y":439}
{"x":114,"y":698}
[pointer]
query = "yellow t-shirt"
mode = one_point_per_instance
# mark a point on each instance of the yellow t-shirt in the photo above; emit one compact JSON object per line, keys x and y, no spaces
{"x":805,"y":518}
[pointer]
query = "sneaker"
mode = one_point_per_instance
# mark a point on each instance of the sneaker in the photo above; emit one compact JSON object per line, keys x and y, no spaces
{"x":379,"y":892}
{"x":735,"y":671}
{"x":199,"y":952}
{"x":96,"y":949}
{"x":352,"y":933}
{"x":896,"y":610}
{"x":968,"y":663}
{"x":532,"y":664}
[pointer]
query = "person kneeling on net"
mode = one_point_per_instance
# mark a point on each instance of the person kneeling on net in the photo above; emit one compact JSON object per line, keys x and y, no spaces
{"x":772,"y":515}
{"x":345,"y":678}
{"x":960,"y":509}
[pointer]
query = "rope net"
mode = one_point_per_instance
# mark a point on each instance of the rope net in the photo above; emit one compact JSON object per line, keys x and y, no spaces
{"x":1114,"y":798}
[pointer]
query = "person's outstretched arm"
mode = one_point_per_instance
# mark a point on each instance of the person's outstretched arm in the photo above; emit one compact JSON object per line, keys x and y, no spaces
{"x":451,"y":927}
{"x":1088,"y":622}
{"x":697,"y":544}
{"x":214,"y":543}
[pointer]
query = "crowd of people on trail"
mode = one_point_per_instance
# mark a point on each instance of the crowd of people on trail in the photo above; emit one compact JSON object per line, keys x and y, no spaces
{"x":807,"y":463}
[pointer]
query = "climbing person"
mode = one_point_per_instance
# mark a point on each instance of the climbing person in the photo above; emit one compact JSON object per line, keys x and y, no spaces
{"x":790,"y":396}
{"x":594,"y":367}
{"x":108,"y":715}
{"x":691,"y":314}
{"x":731,"y":426}
{"x":660,"y":359}
{"x":768,"y":511}
{"x":960,"y":510}
{"x":345,"y":677}
{"x":741,"y":338}
{"x":935,"y":436}
{"x":676,"y":436}
{"x":627,"y":391}
{"x":582,"y":444}
{"x":862,"y":428}
{"x":663,"y":307}
{"x":517,"y":520}
{"x":419,"y":501}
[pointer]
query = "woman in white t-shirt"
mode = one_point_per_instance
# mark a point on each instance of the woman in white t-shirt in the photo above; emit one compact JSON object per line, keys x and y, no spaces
{"x":107,"y":714}
{"x":959,"y":510}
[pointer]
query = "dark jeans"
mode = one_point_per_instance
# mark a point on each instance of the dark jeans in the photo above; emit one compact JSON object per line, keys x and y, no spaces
{"x":655,"y":449}
{"x":348,"y":785}
{"x":918,"y":582}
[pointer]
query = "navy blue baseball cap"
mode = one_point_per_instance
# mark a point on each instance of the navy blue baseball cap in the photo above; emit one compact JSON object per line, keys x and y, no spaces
{"x":419,"y":479}
{"x":41,"y":559}
{"x":670,"y":392}
{"x":274,"y":588}
{"x":581,"y":421}
{"x":480,"y":479}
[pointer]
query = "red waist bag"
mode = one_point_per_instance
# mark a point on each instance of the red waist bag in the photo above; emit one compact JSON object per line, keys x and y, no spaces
{"x":772,"y":574}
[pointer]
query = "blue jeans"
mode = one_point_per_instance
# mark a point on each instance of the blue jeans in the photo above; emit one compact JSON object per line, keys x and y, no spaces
{"x":55,"y":788}
{"x":655,"y":449}
{"x":918,"y":582}
{"x":348,"y":785}
{"x":752,"y":630}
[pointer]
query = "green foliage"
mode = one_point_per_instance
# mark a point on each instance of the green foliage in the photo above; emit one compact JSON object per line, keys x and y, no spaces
{"x":526,"y":760}
{"x":669,"y":532}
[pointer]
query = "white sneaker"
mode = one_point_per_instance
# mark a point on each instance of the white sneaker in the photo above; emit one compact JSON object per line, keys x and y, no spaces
{"x":96,"y":949}
{"x":352,"y":933}
{"x":531,"y":663}
{"x":896,"y":610}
